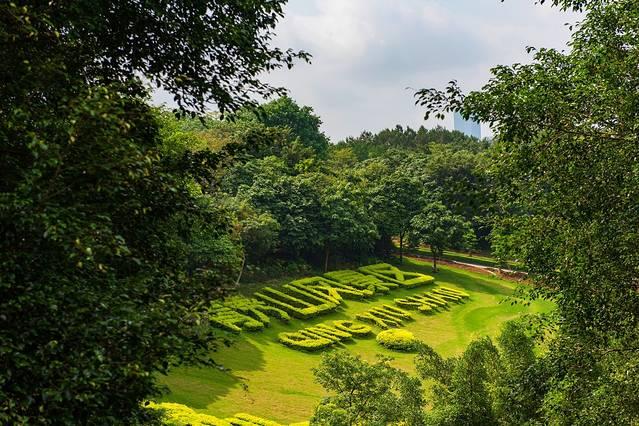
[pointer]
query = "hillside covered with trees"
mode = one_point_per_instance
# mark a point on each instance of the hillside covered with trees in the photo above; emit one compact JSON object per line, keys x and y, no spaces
{"x":146,"y":252}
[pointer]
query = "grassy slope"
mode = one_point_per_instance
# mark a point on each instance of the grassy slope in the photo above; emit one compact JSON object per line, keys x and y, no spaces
{"x":279,"y":381}
{"x":464,"y":257}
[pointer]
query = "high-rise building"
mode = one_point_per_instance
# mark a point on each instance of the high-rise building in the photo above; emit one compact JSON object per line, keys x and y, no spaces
{"x":468,"y":127}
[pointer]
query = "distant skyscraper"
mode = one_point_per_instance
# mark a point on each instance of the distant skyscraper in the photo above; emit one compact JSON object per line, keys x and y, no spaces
{"x":468,"y":127}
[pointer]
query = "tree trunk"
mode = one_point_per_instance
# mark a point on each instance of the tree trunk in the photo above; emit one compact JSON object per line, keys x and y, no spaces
{"x":401,"y":248}
{"x":434,"y":262}
{"x":326,"y":254}
{"x":239,"y":277}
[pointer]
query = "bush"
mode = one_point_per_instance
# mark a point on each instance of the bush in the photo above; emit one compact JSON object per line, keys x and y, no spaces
{"x":297,"y":340}
{"x":429,"y":301}
{"x":252,"y":420}
{"x":390,"y":273}
{"x":360,"y":281}
{"x":256,"y":309}
{"x":181,"y":415}
{"x":397,"y":339}
{"x":294,"y":304}
{"x":455,"y":292}
{"x":228,"y":319}
{"x":333,"y":288}
{"x":323,"y":335}
{"x":385,"y":316}
{"x":354,"y":328}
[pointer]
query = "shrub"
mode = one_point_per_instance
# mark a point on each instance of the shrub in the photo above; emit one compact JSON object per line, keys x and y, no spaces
{"x":447,"y":296}
{"x":252,"y":420}
{"x":455,"y":292}
{"x":429,"y":301}
{"x":390,"y":273}
{"x":397,"y":339}
{"x":297,"y":340}
{"x":318,"y":287}
{"x":333,"y":288}
{"x":228,"y":319}
{"x":293,"y":305}
{"x":323,"y":335}
{"x":181,"y":415}
{"x":360,"y":281}
{"x":384,"y":316}
{"x":256,"y":309}
{"x":354,"y":328}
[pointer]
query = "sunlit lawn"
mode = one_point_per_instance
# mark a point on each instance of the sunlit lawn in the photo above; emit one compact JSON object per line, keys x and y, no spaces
{"x":270,"y":380}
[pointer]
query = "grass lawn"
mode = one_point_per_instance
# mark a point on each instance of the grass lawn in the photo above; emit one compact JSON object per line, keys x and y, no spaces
{"x":477,"y":259}
{"x":270,"y":380}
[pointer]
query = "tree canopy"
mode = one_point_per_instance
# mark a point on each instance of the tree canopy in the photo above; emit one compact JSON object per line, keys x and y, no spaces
{"x":109,"y":242}
{"x":565,"y":173}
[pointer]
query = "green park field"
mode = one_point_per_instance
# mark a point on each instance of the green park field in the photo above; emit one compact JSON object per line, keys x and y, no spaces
{"x":267,"y":379}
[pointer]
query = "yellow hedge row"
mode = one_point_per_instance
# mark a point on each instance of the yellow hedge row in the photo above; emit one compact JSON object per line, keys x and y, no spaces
{"x":396,"y":339}
{"x":361,"y":281}
{"x":181,"y":415}
{"x":296,"y":301}
{"x":323,"y":335}
{"x":231,"y":320}
{"x":390,"y":273}
{"x":326,"y":286}
{"x":385,"y":316}
{"x":429,"y":301}
{"x":256,"y":309}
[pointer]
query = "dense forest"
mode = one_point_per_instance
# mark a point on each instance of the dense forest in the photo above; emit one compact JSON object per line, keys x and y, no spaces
{"x":294,"y":200}
{"x":122,"y":223}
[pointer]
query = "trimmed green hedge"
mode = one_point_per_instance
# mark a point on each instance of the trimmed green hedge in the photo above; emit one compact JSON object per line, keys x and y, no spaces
{"x":453,"y":291}
{"x":256,"y":309}
{"x":353,"y":328}
{"x":248,"y":419}
{"x":335,"y":289}
{"x":360,"y":281}
{"x":318,"y":287}
{"x":293,"y":303}
{"x":390,"y":273}
{"x":322,"y":336}
{"x":231,"y":320}
{"x":429,"y":301}
{"x":181,"y":415}
{"x":385,"y":316}
{"x":397,"y":339}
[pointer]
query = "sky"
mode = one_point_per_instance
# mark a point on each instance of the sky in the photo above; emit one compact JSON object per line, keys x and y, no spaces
{"x":369,"y":56}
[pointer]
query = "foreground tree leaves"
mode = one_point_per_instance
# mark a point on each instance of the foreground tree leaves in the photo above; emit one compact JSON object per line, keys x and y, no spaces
{"x":109,"y":245}
{"x":565,"y":169}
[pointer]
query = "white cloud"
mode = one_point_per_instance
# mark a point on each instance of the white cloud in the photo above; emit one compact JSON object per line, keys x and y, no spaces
{"x":366,"y":52}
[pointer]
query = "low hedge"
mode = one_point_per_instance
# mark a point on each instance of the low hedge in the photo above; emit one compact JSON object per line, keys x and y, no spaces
{"x":318,"y":287}
{"x":256,"y":309}
{"x":292,"y":304}
{"x":297,"y":340}
{"x":181,"y":415}
{"x":229,"y":319}
{"x":455,"y":292}
{"x":429,"y":301}
{"x":321,"y":336}
{"x":385,"y":316}
{"x":251,"y":420}
{"x":354,"y":328}
{"x":397,"y":339}
{"x":339,"y":290}
{"x":360,"y":281}
{"x":390,"y":273}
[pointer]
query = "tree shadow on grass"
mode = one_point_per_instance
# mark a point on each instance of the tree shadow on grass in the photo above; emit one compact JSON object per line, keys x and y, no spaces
{"x":198,"y":387}
{"x":461,"y":278}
